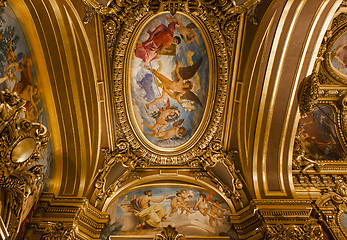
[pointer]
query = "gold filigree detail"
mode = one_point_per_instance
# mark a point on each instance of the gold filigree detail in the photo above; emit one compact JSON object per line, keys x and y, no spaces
{"x":211,"y":155}
{"x":57,"y":230}
{"x":169,"y":233}
{"x":3,"y":3}
{"x":330,"y":207}
{"x":21,"y":144}
{"x":307,"y":94}
{"x":305,"y":231}
{"x":124,"y":154}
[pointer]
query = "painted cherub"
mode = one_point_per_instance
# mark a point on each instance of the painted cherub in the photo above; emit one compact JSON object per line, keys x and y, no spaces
{"x":167,"y":134}
{"x":161,"y":121}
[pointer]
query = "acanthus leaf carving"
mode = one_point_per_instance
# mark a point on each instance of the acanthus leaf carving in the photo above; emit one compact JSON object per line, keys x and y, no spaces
{"x":169,"y":233}
{"x":307,"y":94}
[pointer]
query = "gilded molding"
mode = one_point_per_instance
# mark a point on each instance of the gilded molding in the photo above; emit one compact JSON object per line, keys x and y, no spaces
{"x":169,"y":233}
{"x":66,"y":218}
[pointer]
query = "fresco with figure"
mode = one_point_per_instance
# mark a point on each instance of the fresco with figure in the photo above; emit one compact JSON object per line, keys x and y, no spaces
{"x":339,"y":54}
{"x":169,"y":80}
{"x":17,"y":75}
{"x":146,"y":211}
{"x":318,"y":135}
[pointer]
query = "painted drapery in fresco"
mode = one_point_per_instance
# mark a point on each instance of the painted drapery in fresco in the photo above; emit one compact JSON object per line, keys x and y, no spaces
{"x":169,"y":80}
{"x":144,"y":212}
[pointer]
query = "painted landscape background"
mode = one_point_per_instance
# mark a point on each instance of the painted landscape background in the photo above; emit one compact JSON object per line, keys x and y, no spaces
{"x":203,"y":214}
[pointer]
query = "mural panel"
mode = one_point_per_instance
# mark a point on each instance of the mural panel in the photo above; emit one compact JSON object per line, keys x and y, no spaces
{"x":169,"y":80}
{"x":318,"y":135}
{"x":17,"y":75}
{"x":144,"y":212}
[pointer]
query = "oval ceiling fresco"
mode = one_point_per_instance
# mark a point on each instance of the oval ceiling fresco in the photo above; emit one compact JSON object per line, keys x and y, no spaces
{"x":169,"y":80}
{"x":339,"y":54}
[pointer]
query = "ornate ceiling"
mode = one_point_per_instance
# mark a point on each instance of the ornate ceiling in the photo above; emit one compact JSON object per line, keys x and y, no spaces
{"x":260,"y":140}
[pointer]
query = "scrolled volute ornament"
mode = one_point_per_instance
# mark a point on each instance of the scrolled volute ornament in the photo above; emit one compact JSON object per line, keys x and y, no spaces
{"x":123,"y":154}
{"x":169,"y":233}
{"x":307,"y":94}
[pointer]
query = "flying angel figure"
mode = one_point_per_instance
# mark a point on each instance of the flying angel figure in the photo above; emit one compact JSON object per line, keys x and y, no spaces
{"x":180,"y":89}
{"x":167,"y":134}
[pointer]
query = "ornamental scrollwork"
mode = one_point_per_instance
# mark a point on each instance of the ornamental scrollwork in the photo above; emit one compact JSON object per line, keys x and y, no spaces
{"x":57,"y":230}
{"x":282,"y":231}
{"x":215,"y":153}
{"x":169,"y":233}
{"x":21,"y":144}
{"x":307,"y":94}
{"x":330,"y":207}
{"x":123,"y":154}
{"x":3,"y":3}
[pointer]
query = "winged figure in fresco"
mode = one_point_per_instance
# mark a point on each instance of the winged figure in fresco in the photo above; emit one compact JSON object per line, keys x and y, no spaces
{"x":186,"y":31}
{"x":180,"y":89}
{"x":165,"y":114}
{"x":176,"y":130}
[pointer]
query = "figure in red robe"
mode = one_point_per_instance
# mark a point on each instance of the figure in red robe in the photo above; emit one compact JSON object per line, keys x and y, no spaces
{"x":160,"y":39}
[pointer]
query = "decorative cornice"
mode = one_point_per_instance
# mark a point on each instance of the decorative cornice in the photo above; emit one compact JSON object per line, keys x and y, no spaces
{"x":68,"y":218}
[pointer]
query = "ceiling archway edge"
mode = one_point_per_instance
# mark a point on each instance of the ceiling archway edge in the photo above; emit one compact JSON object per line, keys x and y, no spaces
{"x":66,"y":65}
{"x":268,"y":108}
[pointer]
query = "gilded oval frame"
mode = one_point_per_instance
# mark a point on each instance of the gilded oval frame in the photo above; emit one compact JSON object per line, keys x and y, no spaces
{"x":129,"y":95}
{"x":218,"y":58}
